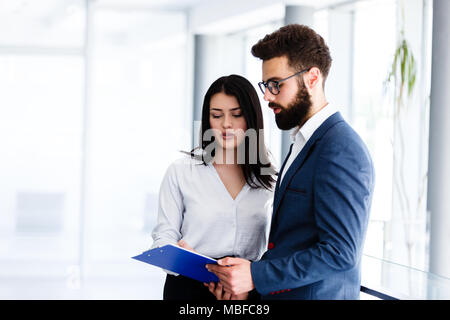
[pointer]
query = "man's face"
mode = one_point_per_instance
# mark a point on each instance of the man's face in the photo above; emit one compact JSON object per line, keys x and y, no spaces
{"x":293,"y":104}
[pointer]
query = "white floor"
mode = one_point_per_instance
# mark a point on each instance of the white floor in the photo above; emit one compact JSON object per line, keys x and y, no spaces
{"x":93,"y":289}
{"x":100,"y":289}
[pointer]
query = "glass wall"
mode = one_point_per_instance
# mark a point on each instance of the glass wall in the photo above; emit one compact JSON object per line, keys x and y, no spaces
{"x":88,"y":128}
{"x":372,"y":114}
{"x":398,"y":230}
{"x":253,"y":72}
{"x":396,"y":135}
{"x":41,"y":81}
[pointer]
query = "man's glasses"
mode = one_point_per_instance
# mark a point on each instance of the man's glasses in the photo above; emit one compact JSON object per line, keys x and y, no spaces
{"x":274,"y":85}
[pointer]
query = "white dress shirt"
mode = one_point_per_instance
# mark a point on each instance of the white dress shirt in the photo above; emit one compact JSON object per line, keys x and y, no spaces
{"x":300,"y":136}
{"x":195,"y":206}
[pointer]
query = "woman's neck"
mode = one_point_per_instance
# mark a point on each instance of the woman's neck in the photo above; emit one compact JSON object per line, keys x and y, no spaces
{"x":225,"y":157}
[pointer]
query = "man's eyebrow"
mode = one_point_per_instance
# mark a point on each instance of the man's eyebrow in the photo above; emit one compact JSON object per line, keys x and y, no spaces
{"x":273,"y":79}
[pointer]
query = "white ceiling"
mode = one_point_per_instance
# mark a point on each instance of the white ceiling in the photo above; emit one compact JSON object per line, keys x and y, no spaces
{"x":204,"y":16}
{"x":155,"y":4}
{"x":219,"y":16}
{"x":15,"y":6}
{"x":190,"y":4}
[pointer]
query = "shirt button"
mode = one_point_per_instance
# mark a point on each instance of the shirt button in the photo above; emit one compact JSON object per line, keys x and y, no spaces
{"x":270,"y":246}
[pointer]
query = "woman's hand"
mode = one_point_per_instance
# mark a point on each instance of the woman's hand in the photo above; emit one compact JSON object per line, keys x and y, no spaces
{"x":217,"y":290}
{"x":185,"y":245}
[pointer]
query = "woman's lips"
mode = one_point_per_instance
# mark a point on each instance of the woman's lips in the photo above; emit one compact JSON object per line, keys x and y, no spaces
{"x":227,"y":136}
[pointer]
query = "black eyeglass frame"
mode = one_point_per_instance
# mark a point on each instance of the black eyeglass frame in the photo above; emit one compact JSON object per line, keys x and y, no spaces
{"x":263,"y":84}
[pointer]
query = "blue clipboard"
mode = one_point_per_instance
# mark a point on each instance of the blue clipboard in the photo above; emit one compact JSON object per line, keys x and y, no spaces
{"x":180,"y":260}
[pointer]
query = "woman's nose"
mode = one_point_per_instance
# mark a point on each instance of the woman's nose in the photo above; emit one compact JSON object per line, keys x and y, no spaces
{"x":227,"y":122}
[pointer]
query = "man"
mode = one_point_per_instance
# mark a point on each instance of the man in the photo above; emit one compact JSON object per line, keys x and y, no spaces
{"x":324,"y":188}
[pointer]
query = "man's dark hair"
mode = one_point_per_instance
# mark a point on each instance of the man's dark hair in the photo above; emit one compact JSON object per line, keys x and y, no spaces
{"x":303,"y":47}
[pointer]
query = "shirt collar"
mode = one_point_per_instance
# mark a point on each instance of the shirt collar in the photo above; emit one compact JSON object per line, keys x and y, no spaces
{"x":307,"y":130}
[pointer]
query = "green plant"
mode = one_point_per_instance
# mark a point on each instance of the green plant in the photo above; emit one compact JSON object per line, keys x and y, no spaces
{"x":402,"y":79}
{"x":403,"y":71}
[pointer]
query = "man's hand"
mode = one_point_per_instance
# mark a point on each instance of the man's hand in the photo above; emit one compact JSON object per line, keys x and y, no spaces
{"x":234,"y":274}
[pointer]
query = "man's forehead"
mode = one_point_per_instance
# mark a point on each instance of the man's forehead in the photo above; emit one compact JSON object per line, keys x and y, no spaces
{"x":275,"y":68}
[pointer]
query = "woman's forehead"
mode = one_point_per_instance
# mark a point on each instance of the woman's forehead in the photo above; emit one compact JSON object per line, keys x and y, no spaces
{"x":223,"y":102}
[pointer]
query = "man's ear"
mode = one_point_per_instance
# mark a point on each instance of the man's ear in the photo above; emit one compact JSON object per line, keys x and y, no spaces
{"x":313,"y":78}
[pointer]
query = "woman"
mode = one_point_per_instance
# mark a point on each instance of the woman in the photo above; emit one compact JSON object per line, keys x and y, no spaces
{"x":218,"y":199}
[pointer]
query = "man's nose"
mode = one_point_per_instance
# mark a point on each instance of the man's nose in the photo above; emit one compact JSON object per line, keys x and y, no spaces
{"x":268,"y":96}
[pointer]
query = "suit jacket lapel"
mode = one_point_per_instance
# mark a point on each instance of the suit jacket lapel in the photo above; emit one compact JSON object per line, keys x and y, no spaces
{"x":302,"y":156}
{"x":277,"y":185}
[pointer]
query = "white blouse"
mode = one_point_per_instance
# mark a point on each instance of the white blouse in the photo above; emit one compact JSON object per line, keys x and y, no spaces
{"x":195,"y":206}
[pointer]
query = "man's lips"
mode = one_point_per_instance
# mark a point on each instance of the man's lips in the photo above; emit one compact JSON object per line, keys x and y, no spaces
{"x":275,"y":109}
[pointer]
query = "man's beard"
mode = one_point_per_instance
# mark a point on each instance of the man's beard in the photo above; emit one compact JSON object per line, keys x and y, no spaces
{"x":296,"y":112}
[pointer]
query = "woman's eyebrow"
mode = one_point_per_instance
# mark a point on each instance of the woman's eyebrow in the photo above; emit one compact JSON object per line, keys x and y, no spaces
{"x":218,"y":109}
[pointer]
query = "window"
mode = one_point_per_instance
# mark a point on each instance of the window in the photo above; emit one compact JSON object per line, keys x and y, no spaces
{"x":396,"y":233}
{"x":253,"y":72}
{"x":40,"y":139}
{"x":136,"y":121}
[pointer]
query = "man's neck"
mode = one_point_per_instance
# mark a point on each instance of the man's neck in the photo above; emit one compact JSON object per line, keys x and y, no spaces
{"x":316,"y":107}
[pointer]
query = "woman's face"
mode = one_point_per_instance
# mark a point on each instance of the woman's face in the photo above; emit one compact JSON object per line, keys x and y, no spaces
{"x":227,"y":120}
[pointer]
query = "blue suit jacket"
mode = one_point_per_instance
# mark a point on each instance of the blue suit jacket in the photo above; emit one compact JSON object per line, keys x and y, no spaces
{"x":320,"y":215}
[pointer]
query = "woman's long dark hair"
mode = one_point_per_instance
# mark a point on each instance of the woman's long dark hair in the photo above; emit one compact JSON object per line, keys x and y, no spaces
{"x":240,"y":88}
